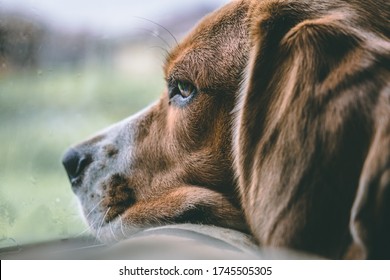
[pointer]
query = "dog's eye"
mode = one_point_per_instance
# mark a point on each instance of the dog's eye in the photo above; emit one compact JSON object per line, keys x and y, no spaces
{"x":181,"y":92}
{"x":185,"y":89}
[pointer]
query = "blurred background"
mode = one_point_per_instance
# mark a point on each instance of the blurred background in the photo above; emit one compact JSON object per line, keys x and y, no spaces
{"x":68,"y":69}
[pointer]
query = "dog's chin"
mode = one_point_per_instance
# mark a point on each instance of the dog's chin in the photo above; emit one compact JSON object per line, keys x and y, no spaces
{"x":106,"y":228}
{"x":114,"y":214}
{"x":114,"y":231}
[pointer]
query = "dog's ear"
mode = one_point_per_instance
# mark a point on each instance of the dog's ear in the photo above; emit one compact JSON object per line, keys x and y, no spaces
{"x":305,"y":124}
{"x":370,"y":223}
{"x":297,"y":66}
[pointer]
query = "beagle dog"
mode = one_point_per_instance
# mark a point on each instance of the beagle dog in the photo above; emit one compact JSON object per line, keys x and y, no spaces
{"x":275,"y":121}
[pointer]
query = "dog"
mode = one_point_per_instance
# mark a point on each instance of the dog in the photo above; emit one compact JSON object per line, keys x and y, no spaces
{"x":275,"y":121}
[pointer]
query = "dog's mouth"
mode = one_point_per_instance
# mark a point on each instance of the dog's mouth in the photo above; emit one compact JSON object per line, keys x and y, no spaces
{"x":112,"y":195}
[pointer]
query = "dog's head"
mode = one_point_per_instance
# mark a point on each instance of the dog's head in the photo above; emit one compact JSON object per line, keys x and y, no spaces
{"x":308,"y":141}
{"x":171,"y":162}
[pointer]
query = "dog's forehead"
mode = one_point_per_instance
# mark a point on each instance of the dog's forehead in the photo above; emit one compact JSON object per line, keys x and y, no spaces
{"x":219,"y":42}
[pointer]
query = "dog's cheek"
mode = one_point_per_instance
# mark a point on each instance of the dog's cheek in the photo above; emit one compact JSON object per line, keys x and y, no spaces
{"x":207,"y":121}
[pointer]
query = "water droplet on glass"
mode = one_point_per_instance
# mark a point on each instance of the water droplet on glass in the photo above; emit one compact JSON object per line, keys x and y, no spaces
{"x":33,"y":180}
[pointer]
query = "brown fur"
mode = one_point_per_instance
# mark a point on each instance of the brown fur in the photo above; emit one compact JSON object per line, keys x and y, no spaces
{"x":292,"y":109}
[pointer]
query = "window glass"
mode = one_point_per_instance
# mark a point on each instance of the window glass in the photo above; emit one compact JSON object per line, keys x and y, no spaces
{"x":68,"y":69}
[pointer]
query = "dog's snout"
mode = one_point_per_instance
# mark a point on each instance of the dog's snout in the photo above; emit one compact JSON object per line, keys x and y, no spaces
{"x":75,"y":163}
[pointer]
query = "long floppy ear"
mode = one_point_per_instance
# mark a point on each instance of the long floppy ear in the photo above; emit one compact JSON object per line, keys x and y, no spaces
{"x":305,"y":122}
{"x":370,"y":223}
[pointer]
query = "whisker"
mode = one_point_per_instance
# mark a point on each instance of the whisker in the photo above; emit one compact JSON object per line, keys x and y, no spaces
{"x":112,"y":232}
{"x":161,"y":48}
{"x":167,"y":46}
{"x":156,"y":35}
{"x":101,"y":223}
{"x":93,"y":208}
{"x":86,"y":218}
{"x":123,"y":232}
{"x":159,"y":25}
{"x":82,"y":232}
{"x":88,"y":229}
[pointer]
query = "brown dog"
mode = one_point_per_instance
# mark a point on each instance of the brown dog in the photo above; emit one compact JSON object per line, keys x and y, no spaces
{"x":279,"y":108}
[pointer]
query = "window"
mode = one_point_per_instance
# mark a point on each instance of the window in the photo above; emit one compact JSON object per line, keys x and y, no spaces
{"x":68,"y":69}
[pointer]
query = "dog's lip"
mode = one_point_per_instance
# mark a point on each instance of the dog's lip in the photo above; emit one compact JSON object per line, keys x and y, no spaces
{"x":117,"y":209}
{"x":114,"y":213}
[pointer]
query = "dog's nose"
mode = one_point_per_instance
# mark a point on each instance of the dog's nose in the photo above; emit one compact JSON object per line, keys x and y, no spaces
{"x":75,"y":163}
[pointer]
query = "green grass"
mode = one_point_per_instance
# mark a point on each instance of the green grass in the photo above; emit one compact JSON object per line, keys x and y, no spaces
{"x":41,"y":114}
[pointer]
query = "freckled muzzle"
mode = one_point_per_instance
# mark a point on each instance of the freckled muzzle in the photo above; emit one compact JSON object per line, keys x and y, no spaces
{"x":100,"y":171}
